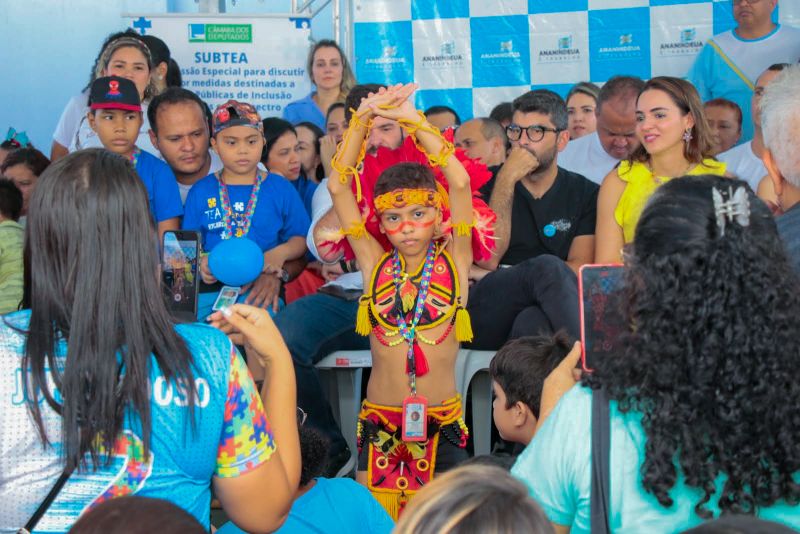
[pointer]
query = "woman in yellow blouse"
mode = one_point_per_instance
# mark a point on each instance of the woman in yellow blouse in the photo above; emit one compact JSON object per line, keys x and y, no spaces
{"x":675,"y":141}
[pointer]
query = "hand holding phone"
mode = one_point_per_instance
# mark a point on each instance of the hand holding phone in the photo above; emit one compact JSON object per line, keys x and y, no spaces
{"x":179,"y":273}
{"x":602,"y":323}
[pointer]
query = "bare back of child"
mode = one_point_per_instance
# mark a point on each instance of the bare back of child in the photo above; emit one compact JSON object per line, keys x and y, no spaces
{"x":412,"y":306}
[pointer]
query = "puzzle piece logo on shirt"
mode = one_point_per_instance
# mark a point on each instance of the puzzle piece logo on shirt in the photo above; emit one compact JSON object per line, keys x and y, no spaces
{"x":212,"y":202}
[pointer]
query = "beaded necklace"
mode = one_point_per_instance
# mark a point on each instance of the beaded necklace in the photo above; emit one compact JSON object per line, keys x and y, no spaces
{"x":415,"y":357}
{"x":135,"y":156}
{"x":242,"y":221}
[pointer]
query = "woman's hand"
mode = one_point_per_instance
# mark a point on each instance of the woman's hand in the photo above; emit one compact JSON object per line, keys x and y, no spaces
{"x":559,"y":381}
{"x":253,"y":328}
{"x":205,"y":272}
{"x":327,"y":149}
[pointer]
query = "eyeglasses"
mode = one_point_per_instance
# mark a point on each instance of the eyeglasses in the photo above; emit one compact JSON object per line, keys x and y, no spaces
{"x":535,"y":132}
{"x":749,"y":2}
{"x":301,"y":416}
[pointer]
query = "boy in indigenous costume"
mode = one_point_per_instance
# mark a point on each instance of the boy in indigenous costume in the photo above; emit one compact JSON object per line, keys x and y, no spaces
{"x":412,"y":222}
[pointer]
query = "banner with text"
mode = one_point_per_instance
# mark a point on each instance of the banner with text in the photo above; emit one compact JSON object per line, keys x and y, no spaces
{"x":473,"y":54}
{"x":256,"y":60}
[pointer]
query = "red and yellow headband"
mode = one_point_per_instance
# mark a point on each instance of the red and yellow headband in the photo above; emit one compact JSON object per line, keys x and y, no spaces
{"x":400,"y":198}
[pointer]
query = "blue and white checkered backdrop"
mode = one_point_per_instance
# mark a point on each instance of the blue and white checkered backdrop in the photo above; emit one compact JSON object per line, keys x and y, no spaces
{"x":474,"y":54}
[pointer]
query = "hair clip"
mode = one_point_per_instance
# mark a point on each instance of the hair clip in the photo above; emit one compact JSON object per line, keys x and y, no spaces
{"x":736,"y":208}
{"x":20,"y":139}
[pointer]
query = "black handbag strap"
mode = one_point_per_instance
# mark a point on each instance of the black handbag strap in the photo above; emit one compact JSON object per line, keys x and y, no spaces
{"x":601,"y":457}
{"x":45,"y":505}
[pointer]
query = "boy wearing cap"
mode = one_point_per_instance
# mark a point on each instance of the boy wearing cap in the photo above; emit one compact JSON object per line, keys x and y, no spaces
{"x":115,"y":114}
{"x":240,"y":201}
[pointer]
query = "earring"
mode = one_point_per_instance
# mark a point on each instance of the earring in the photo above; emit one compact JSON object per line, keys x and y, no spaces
{"x":687,"y":135}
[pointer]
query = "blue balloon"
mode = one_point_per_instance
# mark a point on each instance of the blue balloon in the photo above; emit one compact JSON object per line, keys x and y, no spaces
{"x":236,"y":261}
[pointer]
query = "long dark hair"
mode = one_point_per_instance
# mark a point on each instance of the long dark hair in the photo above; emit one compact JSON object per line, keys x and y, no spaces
{"x":274,"y":128}
{"x":91,"y":279}
{"x":686,"y":98}
{"x":711,"y":361}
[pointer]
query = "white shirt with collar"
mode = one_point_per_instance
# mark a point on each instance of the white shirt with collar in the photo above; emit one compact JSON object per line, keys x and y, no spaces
{"x":587,"y":157}
{"x":321,"y":203}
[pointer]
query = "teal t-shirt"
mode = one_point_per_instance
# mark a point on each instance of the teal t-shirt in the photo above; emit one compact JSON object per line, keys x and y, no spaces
{"x":556,"y":468}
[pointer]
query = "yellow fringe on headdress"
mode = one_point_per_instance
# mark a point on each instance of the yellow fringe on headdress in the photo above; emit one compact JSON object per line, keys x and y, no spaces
{"x":363,"y":326}
{"x":400,"y":198}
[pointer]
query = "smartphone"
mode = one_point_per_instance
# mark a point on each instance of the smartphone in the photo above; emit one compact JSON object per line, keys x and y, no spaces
{"x":602,"y":322}
{"x":179,"y":273}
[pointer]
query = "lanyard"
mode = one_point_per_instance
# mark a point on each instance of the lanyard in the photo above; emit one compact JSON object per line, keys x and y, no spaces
{"x":242,"y":221}
{"x":409,"y":332}
{"x":135,"y":156}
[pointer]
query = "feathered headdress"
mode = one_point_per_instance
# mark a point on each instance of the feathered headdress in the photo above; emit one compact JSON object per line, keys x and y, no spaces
{"x":373,"y":165}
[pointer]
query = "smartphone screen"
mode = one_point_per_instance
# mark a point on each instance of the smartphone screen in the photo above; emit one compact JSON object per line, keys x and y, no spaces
{"x":602,"y":321}
{"x":179,"y":272}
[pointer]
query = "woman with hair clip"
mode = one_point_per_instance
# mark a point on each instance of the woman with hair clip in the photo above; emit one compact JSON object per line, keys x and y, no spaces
{"x":332,"y":77}
{"x":675,"y":141}
{"x":702,"y":390}
{"x":106,"y":397}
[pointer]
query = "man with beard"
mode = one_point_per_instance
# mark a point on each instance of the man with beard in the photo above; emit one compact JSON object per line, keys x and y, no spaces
{"x":179,"y":130}
{"x":544,"y":231}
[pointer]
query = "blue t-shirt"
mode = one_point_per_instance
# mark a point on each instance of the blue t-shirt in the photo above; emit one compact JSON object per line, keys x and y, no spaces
{"x":714,"y":77}
{"x":304,"y":110}
{"x":305,"y":188}
{"x":162,"y":187}
{"x":332,"y":506}
{"x":279,"y":213}
{"x":232,"y":436}
{"x":556,"y":467}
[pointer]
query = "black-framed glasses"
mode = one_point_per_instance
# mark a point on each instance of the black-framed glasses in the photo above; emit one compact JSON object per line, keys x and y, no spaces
{"x":535,"y":132}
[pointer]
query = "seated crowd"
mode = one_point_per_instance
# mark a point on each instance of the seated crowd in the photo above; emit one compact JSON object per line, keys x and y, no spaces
{"x":410,"y":234}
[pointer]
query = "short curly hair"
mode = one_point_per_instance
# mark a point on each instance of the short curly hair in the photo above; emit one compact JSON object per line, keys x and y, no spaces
{"x":711,"y":361}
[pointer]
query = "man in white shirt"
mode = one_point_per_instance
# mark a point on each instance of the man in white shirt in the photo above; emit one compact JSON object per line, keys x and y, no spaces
{"x":744,"y":161}
{"x":730,"y":62}
{"x":594,"y":155}
{"x":483,"y":139}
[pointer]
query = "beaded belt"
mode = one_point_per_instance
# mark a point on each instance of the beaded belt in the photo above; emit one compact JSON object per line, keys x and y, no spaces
{"x":396,"y":469}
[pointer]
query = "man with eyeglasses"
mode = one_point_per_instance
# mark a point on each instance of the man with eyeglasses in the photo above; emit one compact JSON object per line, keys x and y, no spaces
{"x":544,"y":231}
{"x":730,"y":62}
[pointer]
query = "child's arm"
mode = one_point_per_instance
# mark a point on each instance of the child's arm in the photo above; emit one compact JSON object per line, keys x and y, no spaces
{"x":368,"y":251}
{"x":441,"y":153}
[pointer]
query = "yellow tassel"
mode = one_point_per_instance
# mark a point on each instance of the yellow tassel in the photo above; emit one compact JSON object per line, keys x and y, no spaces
{"x":445,"y":197}
{"x":463,"y":325}
{"x":390,"y":502}
{"x":363,"y":327}
{"x":463,"y":228}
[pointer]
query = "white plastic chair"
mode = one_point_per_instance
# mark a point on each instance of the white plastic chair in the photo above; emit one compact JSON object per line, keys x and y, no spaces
{"x":344,"y":391}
